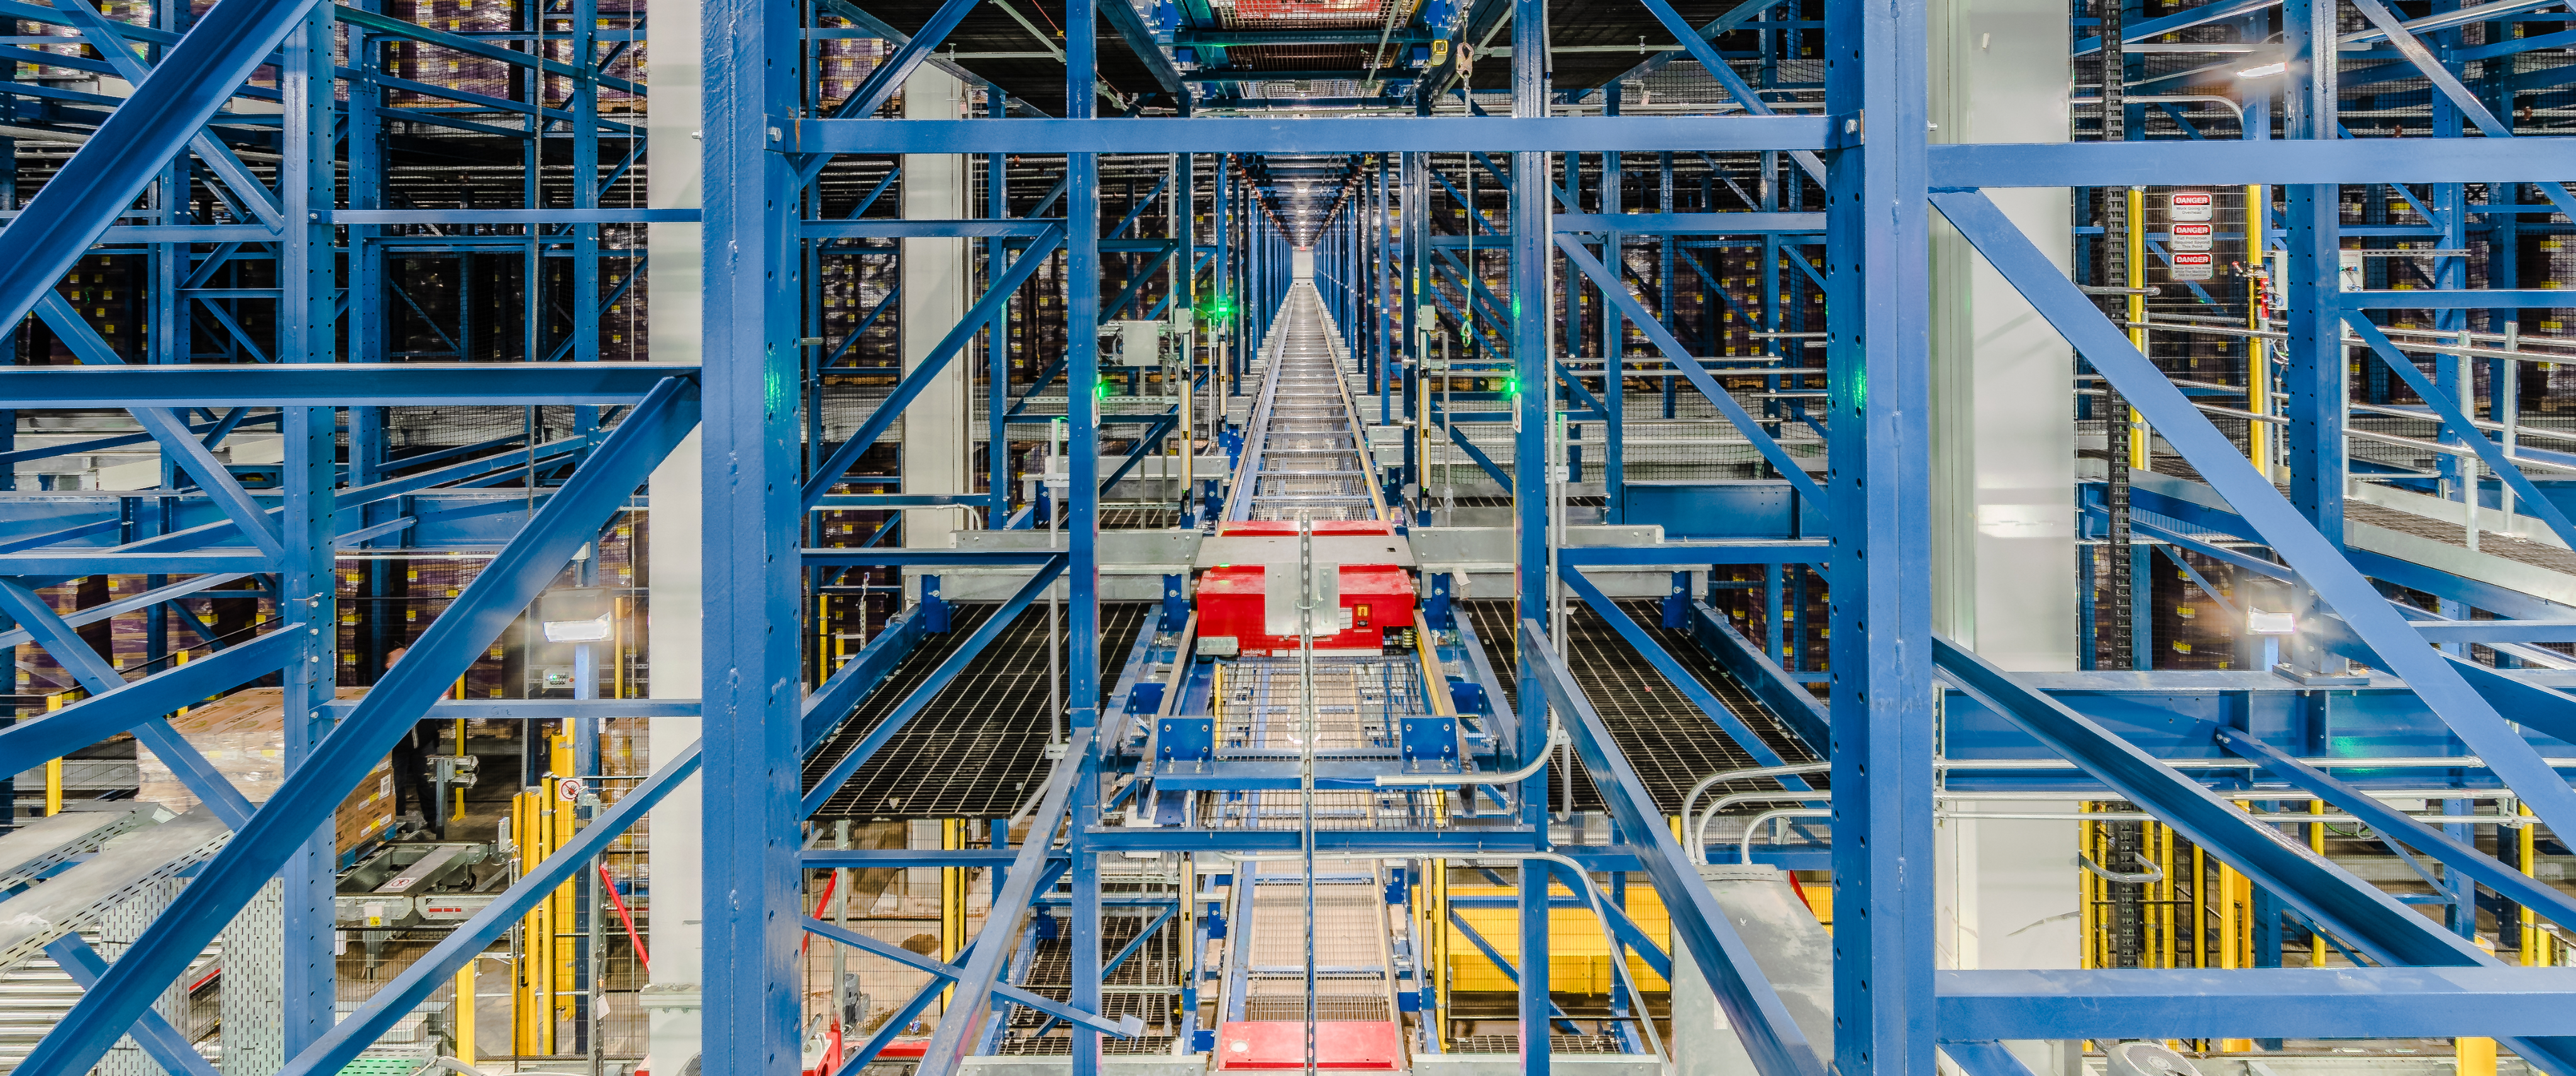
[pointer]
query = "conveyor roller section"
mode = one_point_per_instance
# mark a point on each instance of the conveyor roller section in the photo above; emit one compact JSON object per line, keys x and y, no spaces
{"x":1354,"y":993}
{"x":74,"y":899}
{"x":1303,"y":458}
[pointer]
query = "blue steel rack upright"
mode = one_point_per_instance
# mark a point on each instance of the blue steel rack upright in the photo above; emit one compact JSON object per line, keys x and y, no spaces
{"x":1866,"y":151}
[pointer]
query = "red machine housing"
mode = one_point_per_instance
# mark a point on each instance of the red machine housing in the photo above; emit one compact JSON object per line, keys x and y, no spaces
{"x":1377,"y":600}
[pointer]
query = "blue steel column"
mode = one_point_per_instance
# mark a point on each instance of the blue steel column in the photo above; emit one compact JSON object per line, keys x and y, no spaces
{"x":1878,"y":374}
{"x":1532,"y":261}
{"x":1614,"y":464}
{"x":752,"y":683}
{"x":307,"y":277}
{"x":1082,"y":497}
{"x":2315,"y":377}
{"x":997,"y":345}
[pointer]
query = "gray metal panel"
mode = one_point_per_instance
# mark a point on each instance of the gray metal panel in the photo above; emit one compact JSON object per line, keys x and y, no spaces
{"x":35,"y":847}
{"x":1795,"y":954}
{"x":254,"y":1012}
{"x":132,"y":864}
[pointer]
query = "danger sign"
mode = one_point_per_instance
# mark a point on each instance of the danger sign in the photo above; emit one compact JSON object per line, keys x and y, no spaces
{"x":2195,"y":237}
{"x":2190,"y":205}
{"x":2193,"y":267}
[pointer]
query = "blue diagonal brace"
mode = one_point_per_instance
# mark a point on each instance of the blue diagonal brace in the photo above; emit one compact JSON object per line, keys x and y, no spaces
{"x":194,"y":80}
{"x":566,"y":522}
{"x":1688,"y":366}
{"x":1125,"y":1027}
{"x":1673,"y":673}
{"x":1777,"y":1045}
{"x":397,"y":999}
{"x":105,"y":683}
{"x":2319,"y":562}
{"x":2379,"y":926}
{"x":920,"y":376}
{"x":888,"y":76}
{"x":930,"y":688}
{"x":1145,"y":443}
{"x":1702,"y":50}
{"x":2458,"y":854}
{"x":2457,"y":422}
{"x":166,"y":1045}
{"x":1510,"y":973}
{"x":1109,"y":967}
{"x":168,"y":428}
{"x":1458,"y":436}
{"x":983,"y":971}
{"x":831,"y":702}
{"x":1788,"y":699}
{"x":106,"y":36}
{"x":141,"y":704}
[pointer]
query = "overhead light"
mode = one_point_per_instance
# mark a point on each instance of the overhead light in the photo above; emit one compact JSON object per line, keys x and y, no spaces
{"x":577,"y":631}
{"x":2265,"y":70}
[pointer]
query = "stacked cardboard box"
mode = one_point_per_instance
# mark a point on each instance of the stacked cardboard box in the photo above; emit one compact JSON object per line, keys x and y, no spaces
{"x":244,"y":735}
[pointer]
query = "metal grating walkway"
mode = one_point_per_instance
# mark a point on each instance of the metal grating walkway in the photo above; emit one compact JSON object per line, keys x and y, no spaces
{"x":979,"y":748}
{"x":1671,"y":744}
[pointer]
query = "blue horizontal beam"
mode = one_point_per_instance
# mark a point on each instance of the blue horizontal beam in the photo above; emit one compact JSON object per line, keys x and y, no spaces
{"x":834,"y":502}
{"x":1690,"y":223}
{"x":105,"y":714}
{"x":2352,"y":160}
{"x":2497,"y":631}
{"x":915,"y":558}
{"x":864,"y":858}
{"x":977,"y":228}
{"x":2290,"y":1003}
{"x":564,"y":215}
{"x":1420,"y":134}
{"x":77,"y":562}
{"x":1750,"y":551}
{"x":542,"y":709}
{"x":334,"y":384}
{"x":2410,"y":300}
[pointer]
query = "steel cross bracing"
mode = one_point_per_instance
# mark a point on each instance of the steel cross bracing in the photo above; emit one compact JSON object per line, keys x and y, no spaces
{"x":248,"y":266}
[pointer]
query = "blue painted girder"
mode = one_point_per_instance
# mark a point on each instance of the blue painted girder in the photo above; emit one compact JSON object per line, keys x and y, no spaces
{"x":567,"y":522}
{"x":396,"y":1000}
{"x":2374,"y":923}
{"x":922,"y":694}
{"x":1968,"y":166}
{"x":2391,"y":823}
{"x":167,"y":1046}
{"x":983,"y":969}
{"x":1770,"y":1035}
{"x":333,"y":384}
{"x":194,"y":80}
{"x":2302,"y":1003}
{"x":1433,"y":134}
{"x":2320,"y":562}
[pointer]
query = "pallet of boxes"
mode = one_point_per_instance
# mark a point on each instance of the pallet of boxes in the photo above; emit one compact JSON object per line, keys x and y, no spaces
{"x":244,"y":735}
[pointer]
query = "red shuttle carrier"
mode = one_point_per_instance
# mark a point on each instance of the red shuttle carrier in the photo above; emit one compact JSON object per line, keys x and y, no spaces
{"x":1377,"y":600}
